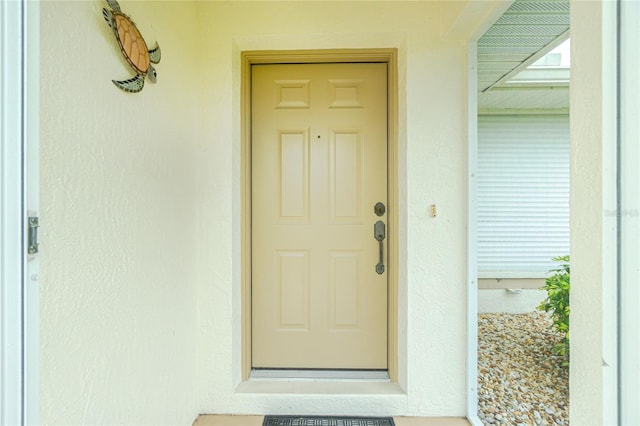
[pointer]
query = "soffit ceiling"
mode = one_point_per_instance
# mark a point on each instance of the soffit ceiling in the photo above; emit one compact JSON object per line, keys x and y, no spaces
{"x":523,"y":34}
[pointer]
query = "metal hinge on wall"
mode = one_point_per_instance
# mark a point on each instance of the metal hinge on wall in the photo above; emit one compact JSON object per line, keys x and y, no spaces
{"x":32,"y":238}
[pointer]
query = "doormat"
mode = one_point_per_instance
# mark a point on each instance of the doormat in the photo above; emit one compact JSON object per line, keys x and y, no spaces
{"x":326,"y":421}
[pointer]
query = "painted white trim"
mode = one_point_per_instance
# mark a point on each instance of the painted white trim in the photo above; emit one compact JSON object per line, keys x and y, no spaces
{"x":11,"y":254}
{"x":32,"y":207}
{"x":472,"y":234}
{"x":629,"y":215}
{"x":19,"y":190}
{"x":609,"y":222}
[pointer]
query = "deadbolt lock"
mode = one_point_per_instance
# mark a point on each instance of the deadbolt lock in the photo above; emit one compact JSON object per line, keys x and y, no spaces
{"x":379,"y":209}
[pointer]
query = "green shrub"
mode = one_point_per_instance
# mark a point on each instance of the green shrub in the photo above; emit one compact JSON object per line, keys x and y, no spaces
{"x":557,"y":302}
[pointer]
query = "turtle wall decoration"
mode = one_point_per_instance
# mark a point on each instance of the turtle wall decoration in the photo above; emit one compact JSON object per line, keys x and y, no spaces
{"x":133,"y":47}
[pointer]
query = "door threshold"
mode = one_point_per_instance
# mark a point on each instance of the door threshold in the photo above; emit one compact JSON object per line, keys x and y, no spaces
{"x":391,"y":392}
{"x":293,"y":374}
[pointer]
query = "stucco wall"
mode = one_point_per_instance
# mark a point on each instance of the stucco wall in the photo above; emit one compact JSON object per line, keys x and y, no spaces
{"x":140,"y":194}
{"x":119,"y":233}
{"x":432,"y":164}
{"x":141,"y":260}
{"x":593,"y":214}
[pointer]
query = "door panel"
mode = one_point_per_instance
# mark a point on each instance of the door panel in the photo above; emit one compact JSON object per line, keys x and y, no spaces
{"x":319,"y":165}
{"x":294,"y":176}
{"x":345,"y":174}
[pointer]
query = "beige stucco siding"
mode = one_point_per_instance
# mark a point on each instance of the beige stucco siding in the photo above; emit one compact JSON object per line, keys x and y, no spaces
{"x":593,"y":217}
{"x":118,"y":289}
{"x":141,"y":244}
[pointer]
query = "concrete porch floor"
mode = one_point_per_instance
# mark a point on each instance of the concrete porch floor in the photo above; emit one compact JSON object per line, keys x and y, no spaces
{"x":217,"y":420}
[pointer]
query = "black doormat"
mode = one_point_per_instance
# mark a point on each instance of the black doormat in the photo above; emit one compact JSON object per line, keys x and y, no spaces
{"x":326,"y":421}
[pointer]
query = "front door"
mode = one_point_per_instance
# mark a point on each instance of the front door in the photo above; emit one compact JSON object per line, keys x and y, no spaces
{"x":319,"y":166}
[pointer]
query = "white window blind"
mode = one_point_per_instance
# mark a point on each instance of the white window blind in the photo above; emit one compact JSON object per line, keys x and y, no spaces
{"x":523,"y":194}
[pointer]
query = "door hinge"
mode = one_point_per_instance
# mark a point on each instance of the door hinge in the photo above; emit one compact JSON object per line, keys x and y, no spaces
{"x":32,"y":238}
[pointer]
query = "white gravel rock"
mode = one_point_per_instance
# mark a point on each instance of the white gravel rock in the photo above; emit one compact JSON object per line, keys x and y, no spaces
{"x":520,"y":381}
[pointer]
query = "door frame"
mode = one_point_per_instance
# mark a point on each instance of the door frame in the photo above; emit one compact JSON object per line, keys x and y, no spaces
{"x":388,"y":56}
{"x":19,"y":198}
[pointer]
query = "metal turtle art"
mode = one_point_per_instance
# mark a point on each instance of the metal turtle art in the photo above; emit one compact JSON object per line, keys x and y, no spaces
{"x":133,"y":47}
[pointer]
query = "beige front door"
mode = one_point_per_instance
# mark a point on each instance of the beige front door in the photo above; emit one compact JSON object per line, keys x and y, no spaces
{"x":319,"y":166}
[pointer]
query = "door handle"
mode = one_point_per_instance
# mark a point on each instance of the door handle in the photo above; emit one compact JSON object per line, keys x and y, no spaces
{"x":379,"y":233}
